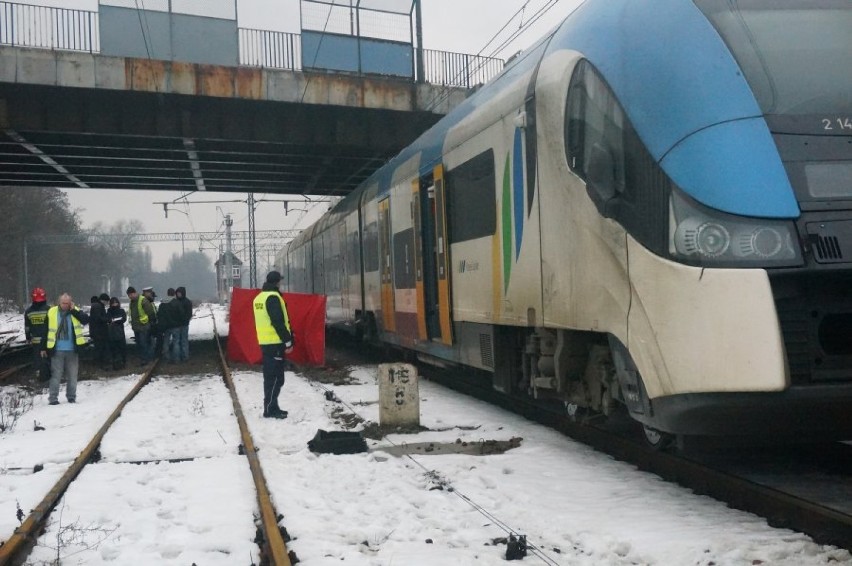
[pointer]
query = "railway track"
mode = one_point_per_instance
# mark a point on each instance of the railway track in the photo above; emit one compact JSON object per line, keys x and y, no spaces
{"x":269,"y":536}
{"x":805,"y":488}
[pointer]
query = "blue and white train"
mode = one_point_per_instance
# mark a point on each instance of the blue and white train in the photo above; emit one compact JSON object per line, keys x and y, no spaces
{"x":651,"y":208}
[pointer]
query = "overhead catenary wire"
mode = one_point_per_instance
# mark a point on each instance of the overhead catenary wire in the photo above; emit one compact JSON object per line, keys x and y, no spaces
{"x":316,"y":53}
{"x":502,"y":525}
{"x":444,"y":93}
{"x":141,"y":14}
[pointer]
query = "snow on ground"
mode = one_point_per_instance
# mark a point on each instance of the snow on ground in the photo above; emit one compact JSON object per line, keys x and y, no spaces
{"x":579,"y":506}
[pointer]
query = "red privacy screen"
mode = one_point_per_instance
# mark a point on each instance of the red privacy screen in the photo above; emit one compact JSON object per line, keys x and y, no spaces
{"x":307,"y":320}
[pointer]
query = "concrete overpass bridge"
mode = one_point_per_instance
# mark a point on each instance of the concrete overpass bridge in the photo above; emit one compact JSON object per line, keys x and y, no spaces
{"x":75,"y":114}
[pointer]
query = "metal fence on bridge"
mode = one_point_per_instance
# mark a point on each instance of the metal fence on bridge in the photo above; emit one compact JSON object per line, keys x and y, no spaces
{"x":24,"y":25}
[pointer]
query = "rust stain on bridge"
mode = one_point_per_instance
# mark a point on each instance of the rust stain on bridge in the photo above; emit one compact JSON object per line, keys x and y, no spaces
{"x":173,"y":77}
{"x":116,"y":122}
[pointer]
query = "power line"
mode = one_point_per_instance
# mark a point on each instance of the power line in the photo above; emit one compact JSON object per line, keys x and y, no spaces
{"x":444,"y":93}
{"x":100,"y":238}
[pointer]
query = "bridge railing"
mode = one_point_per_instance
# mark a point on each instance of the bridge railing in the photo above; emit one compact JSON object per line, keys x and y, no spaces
{"x":270,"y":49}
{"x":24,"y":25}
{"x":282,"y":50}
{"x":458,"y":69}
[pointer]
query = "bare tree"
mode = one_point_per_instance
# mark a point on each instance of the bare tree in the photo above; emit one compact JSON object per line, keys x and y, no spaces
{"x":120,"y":253}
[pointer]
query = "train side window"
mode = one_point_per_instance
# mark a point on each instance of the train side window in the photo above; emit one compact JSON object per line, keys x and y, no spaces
{"x":603,"y":149}
{"x":594,"y":137}
{"x":371,"y":247}
{"x":471,"y":187}
{"x":353,"y":254}
{"x":403,"y":259}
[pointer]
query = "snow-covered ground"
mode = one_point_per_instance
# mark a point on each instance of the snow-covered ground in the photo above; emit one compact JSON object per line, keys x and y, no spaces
{"x":578,"y":506}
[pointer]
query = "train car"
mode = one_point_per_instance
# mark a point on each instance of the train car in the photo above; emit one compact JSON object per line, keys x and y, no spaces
{"x":649,"y":209}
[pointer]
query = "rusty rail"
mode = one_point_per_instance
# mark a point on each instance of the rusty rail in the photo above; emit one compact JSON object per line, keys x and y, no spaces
{"x":30,"y":528}
{"x":276,"y":551}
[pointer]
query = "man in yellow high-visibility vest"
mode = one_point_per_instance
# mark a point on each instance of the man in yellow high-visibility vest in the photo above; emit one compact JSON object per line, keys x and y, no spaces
{"x":142,"y":316}
{"x":275,"y":337}
{"x":64,"y":336}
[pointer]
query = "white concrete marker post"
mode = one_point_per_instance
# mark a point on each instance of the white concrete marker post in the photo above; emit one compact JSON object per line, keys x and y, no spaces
{"x":399,"y":395}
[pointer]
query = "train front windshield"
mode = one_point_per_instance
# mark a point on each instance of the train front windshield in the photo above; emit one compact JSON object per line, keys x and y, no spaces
{"x":795,"y":54}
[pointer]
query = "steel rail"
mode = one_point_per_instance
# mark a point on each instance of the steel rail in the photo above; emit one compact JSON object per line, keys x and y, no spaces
{"x":30,"y":528}
{"x":273,"y":541}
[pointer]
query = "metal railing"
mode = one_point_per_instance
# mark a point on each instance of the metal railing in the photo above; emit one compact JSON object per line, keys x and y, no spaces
{"x":43,"y":27}
{"x":23,"y":25}
{"x":458,"y":69}
{"x":270,"y":49}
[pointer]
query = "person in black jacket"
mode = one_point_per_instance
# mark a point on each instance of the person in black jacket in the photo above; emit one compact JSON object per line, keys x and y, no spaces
{"x":170,"y":319}
{"x":186,"y":305}
{"x":115,"y":328}
{"x":272,"y":324}
{"x":98,"y":331}
{"x":35,"y":330}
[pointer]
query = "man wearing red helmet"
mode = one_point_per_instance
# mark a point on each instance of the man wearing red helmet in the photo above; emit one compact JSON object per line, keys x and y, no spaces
{"x":35,"y":329}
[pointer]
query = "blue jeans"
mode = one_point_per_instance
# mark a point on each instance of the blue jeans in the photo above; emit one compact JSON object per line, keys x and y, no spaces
{"x":183,"y":342}
{"x":143,"y":345}
{"x":171,"y":344}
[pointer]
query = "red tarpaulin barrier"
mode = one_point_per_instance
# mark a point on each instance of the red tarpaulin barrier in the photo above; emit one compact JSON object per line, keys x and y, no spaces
{"x":307,"y":319}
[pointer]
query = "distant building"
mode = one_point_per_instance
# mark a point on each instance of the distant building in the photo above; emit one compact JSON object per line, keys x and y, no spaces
{"x":222,"y":289}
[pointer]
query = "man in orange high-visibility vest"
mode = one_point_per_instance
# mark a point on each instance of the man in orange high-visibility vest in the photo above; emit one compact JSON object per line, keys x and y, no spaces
{"x":275,"y":338}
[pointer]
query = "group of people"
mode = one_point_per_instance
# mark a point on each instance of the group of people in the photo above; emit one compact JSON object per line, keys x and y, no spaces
{"x":106,"y":328}
{"x":160,"y":331}
{"x":55,"y":333}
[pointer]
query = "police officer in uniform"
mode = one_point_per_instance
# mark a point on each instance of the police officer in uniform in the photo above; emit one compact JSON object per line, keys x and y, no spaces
{"x":35,"y":330}
{"x":275,"y":338}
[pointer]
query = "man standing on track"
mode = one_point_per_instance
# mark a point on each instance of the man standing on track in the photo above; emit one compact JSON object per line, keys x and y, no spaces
{"x":186,"y":305}
{"x":64,"y":337}
{"x":142,"y":315}
{"x":272,"y":324}
{"x":98,"y":330}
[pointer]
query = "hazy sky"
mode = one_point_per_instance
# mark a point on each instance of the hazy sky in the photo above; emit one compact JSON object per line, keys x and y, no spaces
{"x":463,"y":26}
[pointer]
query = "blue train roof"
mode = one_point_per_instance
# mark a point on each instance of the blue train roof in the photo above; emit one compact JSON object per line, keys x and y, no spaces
{"x":683,"y":92}
{"x":687,"y":99}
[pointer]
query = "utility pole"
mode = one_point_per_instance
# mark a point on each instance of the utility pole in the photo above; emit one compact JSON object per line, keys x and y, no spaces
{"x":229,"y":268}
{"x":26,"y":274}
{"x":419,"y":71}
{"x":252,"y":244}
{"x":252,"y":205}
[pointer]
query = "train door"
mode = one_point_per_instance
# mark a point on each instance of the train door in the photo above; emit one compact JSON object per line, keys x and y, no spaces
{"x":386,"y":267}
{"x":431,"y":257}
{"x":343,"y":252}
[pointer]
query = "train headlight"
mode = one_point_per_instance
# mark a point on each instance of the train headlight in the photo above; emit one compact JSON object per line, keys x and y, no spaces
{"x":706,"y":237}
{"x":764,"y":241}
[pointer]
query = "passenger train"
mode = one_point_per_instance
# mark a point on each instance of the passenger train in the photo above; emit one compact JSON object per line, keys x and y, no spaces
{"x":650,"y":209}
